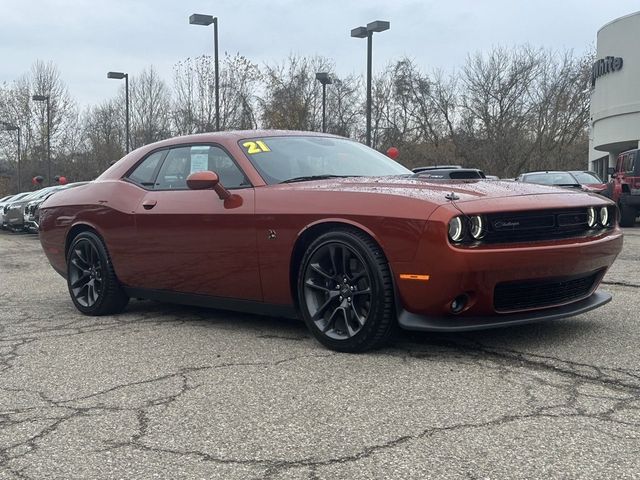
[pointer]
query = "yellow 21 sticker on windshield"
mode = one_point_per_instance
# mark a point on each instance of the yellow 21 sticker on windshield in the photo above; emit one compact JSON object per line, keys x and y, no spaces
{"x":256,"y":147}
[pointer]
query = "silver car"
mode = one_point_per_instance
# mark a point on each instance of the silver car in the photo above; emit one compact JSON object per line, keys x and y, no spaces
{"x":14,"y":210}
{"x":31,"y":213}
{"x":6,"y":201}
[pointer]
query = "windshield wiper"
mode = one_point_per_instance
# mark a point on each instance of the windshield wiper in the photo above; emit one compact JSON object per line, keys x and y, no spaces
{"x":308,"y":178}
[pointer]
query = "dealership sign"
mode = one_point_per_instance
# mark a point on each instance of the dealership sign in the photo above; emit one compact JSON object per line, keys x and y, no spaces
{"x":603,"y":66}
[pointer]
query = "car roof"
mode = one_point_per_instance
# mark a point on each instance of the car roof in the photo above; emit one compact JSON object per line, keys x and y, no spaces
{"x":453,"y":173}
{"x":436,"y":167}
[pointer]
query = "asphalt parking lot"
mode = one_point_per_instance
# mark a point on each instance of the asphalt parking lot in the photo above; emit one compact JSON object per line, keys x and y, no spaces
{"x":176,"y":392}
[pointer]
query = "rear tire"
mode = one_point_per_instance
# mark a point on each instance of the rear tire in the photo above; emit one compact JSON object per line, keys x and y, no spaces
{"x":345,"y":291}
{"x":627,"y":216}
{"x":92,"y":282}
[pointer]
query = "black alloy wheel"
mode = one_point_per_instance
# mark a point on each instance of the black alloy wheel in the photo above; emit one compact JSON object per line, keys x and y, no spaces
{"x":92,"y":283}
{"x":345,"y":291}
{"x":85,"y":273}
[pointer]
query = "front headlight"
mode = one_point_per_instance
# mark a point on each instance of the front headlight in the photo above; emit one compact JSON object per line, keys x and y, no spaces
{"x":456,"y":229}
{"x":604,"y":216}
{"x":591,"y":217}
{"x":477,"y":227}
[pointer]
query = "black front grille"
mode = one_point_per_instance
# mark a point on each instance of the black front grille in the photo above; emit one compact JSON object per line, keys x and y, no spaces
{"x":536,"y":225}
{"x":529,"y":294}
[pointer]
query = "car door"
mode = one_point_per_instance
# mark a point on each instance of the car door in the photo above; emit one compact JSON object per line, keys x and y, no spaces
{"x":190,"y":241}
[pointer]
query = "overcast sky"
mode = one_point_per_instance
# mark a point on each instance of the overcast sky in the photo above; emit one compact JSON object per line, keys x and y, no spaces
{"x":87,"y":38}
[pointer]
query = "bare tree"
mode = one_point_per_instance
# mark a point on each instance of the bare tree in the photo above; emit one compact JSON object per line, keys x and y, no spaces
{"x":105,"y":139}
{"x":523,"y":109}
{"x":150,"y":108}
{"x":292,"y":96}
{"x":343,"y":112}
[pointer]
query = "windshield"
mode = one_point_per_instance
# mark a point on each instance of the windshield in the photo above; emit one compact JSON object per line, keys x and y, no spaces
{"x":279,"y":159}
{"x":19,"y":196}
{"x":550,"y":178}
{"x":587,"y":177}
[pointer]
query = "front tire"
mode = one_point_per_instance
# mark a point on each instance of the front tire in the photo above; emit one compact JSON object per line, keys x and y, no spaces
{"x":345,"y":292}
{"x":91,"y":280}
{"x":627,"y":216}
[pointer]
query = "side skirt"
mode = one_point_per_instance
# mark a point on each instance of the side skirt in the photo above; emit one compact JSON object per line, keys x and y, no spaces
{"x":221,"y":303}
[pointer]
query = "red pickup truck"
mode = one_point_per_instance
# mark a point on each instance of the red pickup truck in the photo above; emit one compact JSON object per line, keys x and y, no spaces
{"x":624,"y":187}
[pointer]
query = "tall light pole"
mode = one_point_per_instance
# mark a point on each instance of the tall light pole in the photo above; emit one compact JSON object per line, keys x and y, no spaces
{"x":10,"y":128}
{"x":324,"y":79}
{"x":120,"y":76}
{"x":367,"y":32}
{"x":199,"y":19}
{"x":45,"y":98}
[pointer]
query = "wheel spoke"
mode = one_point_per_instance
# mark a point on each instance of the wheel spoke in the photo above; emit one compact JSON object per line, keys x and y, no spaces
{"x":332,"y":256}
{"x":345,"y":266}
{"x":321,"y":310}
{"x":310,"y":283}
{"x":86,"y":252}
{"x":79,"y":258}
{"x":330,"y":321}
{"x":81,"y":280}
{"x":91,"y":254}
{"x":360,"y":319}
{"x":83,"y":298}
{"x":317,"y":268}
{"x":366,"y":291}
{"x":350,"y":331}
{"x":75,"y":261}
{"x":91,"y":294}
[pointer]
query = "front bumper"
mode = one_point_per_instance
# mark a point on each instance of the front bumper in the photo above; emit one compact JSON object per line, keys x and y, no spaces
{"x":476,"y":272}
{"x":424,"y":323}
{"x":30,"y":223}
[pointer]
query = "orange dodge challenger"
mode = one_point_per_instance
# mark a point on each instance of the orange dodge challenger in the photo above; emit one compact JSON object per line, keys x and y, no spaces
{"x":321,"y":227}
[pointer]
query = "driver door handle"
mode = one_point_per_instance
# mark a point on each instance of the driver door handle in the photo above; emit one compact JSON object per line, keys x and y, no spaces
{"x":149,"y":204}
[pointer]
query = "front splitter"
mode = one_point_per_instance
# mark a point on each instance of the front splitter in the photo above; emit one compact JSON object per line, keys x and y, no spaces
{"x":412,"y":321}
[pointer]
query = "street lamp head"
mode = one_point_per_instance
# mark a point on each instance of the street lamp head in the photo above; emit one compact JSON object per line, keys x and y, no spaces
{"x":116,"y":75}
{"x":323,"y":78}
{"x":359,"y":32}
{"x":40,"y":98}
{"x":199,"y":19}
{"x":377,"y":26}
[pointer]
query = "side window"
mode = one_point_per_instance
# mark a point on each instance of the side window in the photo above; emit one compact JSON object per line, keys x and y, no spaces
{"x":175,"y":170}
{"x":230,"y":174}
{"x":143,"y":174}
{"x":183,"y":161}
{"x":628,"y":163}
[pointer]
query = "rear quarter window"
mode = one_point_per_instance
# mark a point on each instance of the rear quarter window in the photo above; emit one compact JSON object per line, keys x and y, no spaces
{"x":144,"y":173}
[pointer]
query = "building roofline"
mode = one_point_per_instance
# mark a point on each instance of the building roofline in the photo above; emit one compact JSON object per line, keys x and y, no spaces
{"x":615,"y":20}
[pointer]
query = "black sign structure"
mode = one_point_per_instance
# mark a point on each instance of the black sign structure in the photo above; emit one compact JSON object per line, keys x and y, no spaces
{"x":603,"y":66}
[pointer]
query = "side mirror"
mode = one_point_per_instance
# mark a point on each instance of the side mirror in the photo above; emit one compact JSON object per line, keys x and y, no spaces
{"x":203,"y":180}
{"x":207,"y":180}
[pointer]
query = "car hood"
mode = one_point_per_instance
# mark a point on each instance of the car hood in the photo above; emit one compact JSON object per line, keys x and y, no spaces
{"x":429,"y":189}
{"x":594,"y":187}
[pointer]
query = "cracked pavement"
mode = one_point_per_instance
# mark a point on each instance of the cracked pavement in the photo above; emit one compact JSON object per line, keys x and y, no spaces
{"x":166,"y":391}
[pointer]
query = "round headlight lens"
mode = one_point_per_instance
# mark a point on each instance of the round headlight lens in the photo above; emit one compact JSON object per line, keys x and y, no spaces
{"x":477,"y":227}
{"x":591,"y":217}
{"x":456,"y":230}
{"x":604,"y":216}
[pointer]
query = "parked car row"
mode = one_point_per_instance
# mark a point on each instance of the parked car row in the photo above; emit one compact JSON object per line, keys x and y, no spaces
{"x":583,"y":180}
{"x":21,"y":212}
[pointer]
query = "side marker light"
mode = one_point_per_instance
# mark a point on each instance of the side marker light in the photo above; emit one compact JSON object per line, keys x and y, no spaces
{"x":411,"y":276}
